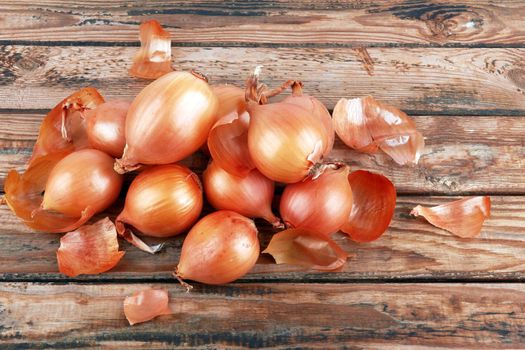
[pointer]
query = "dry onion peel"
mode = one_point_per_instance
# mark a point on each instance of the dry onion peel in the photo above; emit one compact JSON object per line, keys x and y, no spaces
{"x":366,"y":124}
{"x":374,"y":203}
{"x":91,"y":249}
{"x":105,"y":127}
{"x":305,"y":248}
{"x":63,"y":129}
{"x":145,"y":305}
{"x":168,"y":120}
{"x":250,"y":195}
{"x":153,"y":59}
{"x":220,"y":248}
{"x":463,"y":217}
{"x":24,"y":195}
{"x":231,"y":99}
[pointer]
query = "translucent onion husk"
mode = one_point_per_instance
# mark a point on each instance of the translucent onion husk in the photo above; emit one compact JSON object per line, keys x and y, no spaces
{"x":91,"y":249}
{"x":220,"y":248}
{"x":230,"y":99}
{"x":306,"y":248}
{"x":317,"y":108}
{"x":250,"y":195}
{"x":106,"y":125}
{"x":320,"y":205}
{"x":228,"y":144}
{"x":145,"y":305}
{"x":82,"y":179}
{"x":464,"y":218}
{"x":63,"y":129}
{"x":374,"y":202}
{"x":153,"y":59}
{"x":24,"y":195}
{"x":168,"y":121}
{"x":367,"y":125}
{"x":162,"y":201}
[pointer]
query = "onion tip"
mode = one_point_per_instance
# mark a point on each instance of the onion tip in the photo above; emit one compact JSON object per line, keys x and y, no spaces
{"x":186,"y":285}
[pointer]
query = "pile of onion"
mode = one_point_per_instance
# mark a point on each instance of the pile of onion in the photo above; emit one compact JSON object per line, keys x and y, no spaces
{"x":253,"y":142}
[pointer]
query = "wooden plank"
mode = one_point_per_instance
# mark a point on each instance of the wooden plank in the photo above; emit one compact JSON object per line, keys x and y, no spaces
{"x":461,"y":155}
{"x":362,"y":316}
{"x":303,"y":22}
{"x":411,"y":249}
{"x":450,"y":81}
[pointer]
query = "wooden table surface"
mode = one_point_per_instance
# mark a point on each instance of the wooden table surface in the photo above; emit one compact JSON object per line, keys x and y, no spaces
{"x":457,"y":67}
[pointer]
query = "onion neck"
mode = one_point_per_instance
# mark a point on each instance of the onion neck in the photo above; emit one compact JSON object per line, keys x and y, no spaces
{"x":199,"y":75}
{"x":260,"y":93}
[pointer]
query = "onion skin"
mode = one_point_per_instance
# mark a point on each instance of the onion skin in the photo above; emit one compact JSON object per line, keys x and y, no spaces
{"x":220,"y":248}
{"x":464,"y":218}
{"x":374,"y":202}
{"x":106,"y":125}
{"x":285,"y":141}
{"x":320,"y":205}
{"x":145,"y":305}
{"x":230,"y":98}
{"x":91,"y":249}
{"x":82,"y":179}
{"x":250,"y":195}
{"x":162,"y":201}
{"x":168,"y":120}
{"x":153,"y":59}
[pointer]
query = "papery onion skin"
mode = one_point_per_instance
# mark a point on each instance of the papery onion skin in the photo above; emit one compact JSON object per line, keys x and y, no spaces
{"x":305,"y":248}
{"x":320,"y":205}
{"x":228,"y":144}
{"x":285,"y":141}
{"x":106,"y":126}
{"x":168,"y":120}
{"x":374,"y":202}
{"x":153,"y":59}
{"x":250,"y":195}
{"x":230,"y":99}
{"x":220,"y":248}
{"x":145,"y":305}
{"x":82,"y":179}
{"x":91,"y":249}
{"x":162,"y":201}
{"x":367,"y":124}
{"x":464,"y":218}
{"x":63,"y":128}
{"x":24,"y":194}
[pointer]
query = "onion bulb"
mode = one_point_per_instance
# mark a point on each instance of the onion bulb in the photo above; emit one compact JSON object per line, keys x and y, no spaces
{"x":250,"y":195}
{"x":105,"y":127}
{"x":320,"y":205}
{"x":230,"y":98}
{"x":463,"y":217}
{"x":220,"y":248}
{"x":80,"y":180}
{"x":168,"y":120}
{"x":162,"y":201}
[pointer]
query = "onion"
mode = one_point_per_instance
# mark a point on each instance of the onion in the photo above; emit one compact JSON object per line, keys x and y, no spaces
{"x":220,"y":248}
{"x":463,"y":217}
{"x":320,"y":205}
{"x":91,"y":249}
{"x":162,"y":201}
{"x":250,"y":195}
{"x":146,"y":305}
{"x":83,"y":179}
{"x":168,"y":120}
{"x":105,"y":127}
{"x":231,"y":99}
{"x":285,"y":140}
{"x":154,"y":56}
{"x":374,"y":201}
{"x":305,"y":248}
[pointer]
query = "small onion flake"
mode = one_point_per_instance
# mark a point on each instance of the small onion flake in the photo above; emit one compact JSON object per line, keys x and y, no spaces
{"x":145,"y":305}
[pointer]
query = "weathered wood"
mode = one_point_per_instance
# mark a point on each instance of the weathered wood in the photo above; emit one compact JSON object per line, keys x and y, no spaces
{"x":463,"y":154}
{"x":437,"y":80}
{"x":365,"y":316}
{"x":352,"y":22}
{"x":410,"y":249}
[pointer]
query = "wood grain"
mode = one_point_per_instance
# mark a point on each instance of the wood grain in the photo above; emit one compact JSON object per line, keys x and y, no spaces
{"x":463,"y":154}
{"x":314,"y":316}
{"x":411,"y":249}
{"x":424,"y":80}
{"x":250,"y":23}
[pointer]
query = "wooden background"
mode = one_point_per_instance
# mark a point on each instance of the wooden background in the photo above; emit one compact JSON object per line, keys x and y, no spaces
{"x":458,"y":67}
